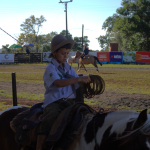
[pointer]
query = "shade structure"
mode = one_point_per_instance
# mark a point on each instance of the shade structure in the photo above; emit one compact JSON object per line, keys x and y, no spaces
{"x":15,"y":46}
{"x":28,"y":45}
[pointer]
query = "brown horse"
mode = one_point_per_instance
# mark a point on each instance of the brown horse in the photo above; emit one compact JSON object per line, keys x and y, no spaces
{"x":88,"y":59}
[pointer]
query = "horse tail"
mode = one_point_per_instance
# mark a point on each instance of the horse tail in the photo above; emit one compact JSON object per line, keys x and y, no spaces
{"x":97,"y":60}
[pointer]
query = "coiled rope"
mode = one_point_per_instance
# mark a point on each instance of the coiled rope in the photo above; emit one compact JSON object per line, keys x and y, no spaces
{"x":95,"y":87}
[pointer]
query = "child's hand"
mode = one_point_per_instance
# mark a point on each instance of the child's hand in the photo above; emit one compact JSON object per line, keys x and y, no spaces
{"x":85,"y":79}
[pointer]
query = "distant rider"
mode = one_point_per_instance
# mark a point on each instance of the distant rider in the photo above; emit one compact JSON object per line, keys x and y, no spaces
{"x":86,"y":51}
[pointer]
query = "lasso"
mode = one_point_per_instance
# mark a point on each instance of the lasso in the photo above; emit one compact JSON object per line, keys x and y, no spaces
{"x":95,"y":87}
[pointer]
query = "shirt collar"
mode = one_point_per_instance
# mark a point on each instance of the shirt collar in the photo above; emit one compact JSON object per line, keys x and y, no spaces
{"x":56,"y":64}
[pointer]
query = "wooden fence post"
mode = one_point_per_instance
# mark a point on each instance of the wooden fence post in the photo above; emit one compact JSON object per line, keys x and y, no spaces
{"x":79,"y":94}
{"x":14,"y":90}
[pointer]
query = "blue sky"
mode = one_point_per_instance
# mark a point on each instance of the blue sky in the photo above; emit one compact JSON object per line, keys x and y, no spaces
{"x":91,"y":13}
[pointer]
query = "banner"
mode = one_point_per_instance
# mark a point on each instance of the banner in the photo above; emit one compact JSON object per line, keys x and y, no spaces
{"x":115,"y":56}
{"x":71,"y":54}
{"x":103,"y":56}
{"x":93,"y":53}
{"x":129,"y":57}
{"x":143,"y":57}
{"x":46,"y":55}
{"x":6,"y":58}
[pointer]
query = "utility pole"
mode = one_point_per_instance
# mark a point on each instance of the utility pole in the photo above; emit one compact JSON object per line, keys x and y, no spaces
{"x":82,"y":35}
{"x":66,"y":15}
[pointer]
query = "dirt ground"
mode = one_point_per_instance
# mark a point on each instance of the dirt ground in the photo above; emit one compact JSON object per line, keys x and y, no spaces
{"x":113,"y":100}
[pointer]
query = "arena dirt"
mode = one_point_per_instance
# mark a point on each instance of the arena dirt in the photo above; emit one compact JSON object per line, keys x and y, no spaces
{"x":108,"y":100}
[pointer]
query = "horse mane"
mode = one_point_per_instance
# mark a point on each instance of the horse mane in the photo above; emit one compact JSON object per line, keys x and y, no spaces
{"x":78,"y":51}
{"x":119,"y":126}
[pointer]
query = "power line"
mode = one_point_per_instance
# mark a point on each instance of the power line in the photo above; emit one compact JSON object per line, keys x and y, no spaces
{"x":73,"y":17}
{"x":10,"y":35}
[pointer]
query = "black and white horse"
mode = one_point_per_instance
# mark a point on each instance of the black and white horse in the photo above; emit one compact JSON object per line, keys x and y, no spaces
{"x":118,"y":130}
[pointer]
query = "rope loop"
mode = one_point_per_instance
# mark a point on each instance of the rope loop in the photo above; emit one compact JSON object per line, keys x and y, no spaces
{"x":95,"y":87}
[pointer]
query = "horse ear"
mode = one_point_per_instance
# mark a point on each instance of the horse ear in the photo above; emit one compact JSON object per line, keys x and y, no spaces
{"x":141,"y":119}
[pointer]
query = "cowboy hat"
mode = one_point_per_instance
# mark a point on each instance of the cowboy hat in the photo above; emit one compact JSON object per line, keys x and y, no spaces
{"x":59,"y":41}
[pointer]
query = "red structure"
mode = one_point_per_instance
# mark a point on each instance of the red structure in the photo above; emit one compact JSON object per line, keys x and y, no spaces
{"x":113,"y":47}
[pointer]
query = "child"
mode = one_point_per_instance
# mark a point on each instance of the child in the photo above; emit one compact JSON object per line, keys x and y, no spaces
{"x":60,"y":81}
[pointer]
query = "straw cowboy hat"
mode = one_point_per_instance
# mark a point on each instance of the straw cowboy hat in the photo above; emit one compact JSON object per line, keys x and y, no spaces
{"x":59,"y":41}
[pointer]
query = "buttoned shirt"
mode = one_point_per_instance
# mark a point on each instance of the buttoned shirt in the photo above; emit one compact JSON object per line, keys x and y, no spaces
{"x":51,"y":74}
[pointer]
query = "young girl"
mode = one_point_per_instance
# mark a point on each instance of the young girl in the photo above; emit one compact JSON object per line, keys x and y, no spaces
{"x":60,"y":81}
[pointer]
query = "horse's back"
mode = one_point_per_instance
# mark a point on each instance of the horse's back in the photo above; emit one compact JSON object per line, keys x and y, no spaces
{"x":7,"y":140}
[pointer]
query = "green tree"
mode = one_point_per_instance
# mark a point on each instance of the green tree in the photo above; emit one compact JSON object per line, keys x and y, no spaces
{"x":134,"y":25}
{"x":46,"y":41}
{"x":46,"y":48}
{"x":129,"y":27}
{"x":78,"y":43}
{"x":112,"y":36}
{"x":63,"y":32}
{"x":30,"y":29}
{"x":104,"y":42}
{"x":6,"y":49}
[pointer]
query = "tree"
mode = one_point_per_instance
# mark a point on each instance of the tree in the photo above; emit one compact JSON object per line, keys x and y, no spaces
{"x":46,"y":48}
{"x":129,"y":27}
{"x":78,"y":43}
{"x":104,"y":42}
{"x":43,"y":40}
{"x":134,"y":25}
{"x":112,"y":36}
{"x":63,"y":32}
{"x":30,"y":29}
{"x":5,"y":49}
{"x":46,"y":42}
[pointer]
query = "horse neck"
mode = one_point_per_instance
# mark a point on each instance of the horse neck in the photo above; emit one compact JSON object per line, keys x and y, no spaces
{"x":118,"y":126}
{"x":104,"y":127}
{"x":78,"y":54}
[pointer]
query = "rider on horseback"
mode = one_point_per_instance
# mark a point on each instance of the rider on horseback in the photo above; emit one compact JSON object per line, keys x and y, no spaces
{"x":60,"y":81}
{"x":86,"y":51}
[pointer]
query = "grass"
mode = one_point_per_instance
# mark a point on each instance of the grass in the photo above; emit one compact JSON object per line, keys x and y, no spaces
{"x":118,"y":65}
{"x":116,"y":80}
{"x":3,"y":106}
{"x":124,"y":80}
{"x":119,"y":78}
{"x":25,"y":95}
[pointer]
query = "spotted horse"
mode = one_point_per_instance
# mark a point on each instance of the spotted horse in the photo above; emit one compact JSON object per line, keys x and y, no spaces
{"x":117,"y":130}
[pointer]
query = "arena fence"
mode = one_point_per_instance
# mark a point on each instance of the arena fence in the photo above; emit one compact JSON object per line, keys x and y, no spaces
{"x":104,"y":57}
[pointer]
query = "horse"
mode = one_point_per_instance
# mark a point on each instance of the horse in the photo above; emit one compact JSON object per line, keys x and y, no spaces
{"x":88,"y":59}
{"x":119,"y":130}
{"x":72,"y":59}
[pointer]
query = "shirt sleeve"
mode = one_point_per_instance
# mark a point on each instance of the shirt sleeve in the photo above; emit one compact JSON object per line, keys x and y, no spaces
{"x":50,"y":75}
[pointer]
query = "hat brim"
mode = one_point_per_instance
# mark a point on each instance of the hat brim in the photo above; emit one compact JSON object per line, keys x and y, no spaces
{"x":68,"y":41}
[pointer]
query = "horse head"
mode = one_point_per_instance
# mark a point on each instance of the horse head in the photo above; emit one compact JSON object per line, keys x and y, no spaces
{"x":77,"y":54}
{"x":123,"y":130}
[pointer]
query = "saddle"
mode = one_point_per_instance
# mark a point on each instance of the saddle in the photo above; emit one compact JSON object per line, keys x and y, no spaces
{"x":69,"y":120}
{"x":86,"y":56}
{"x":25,"y":125}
